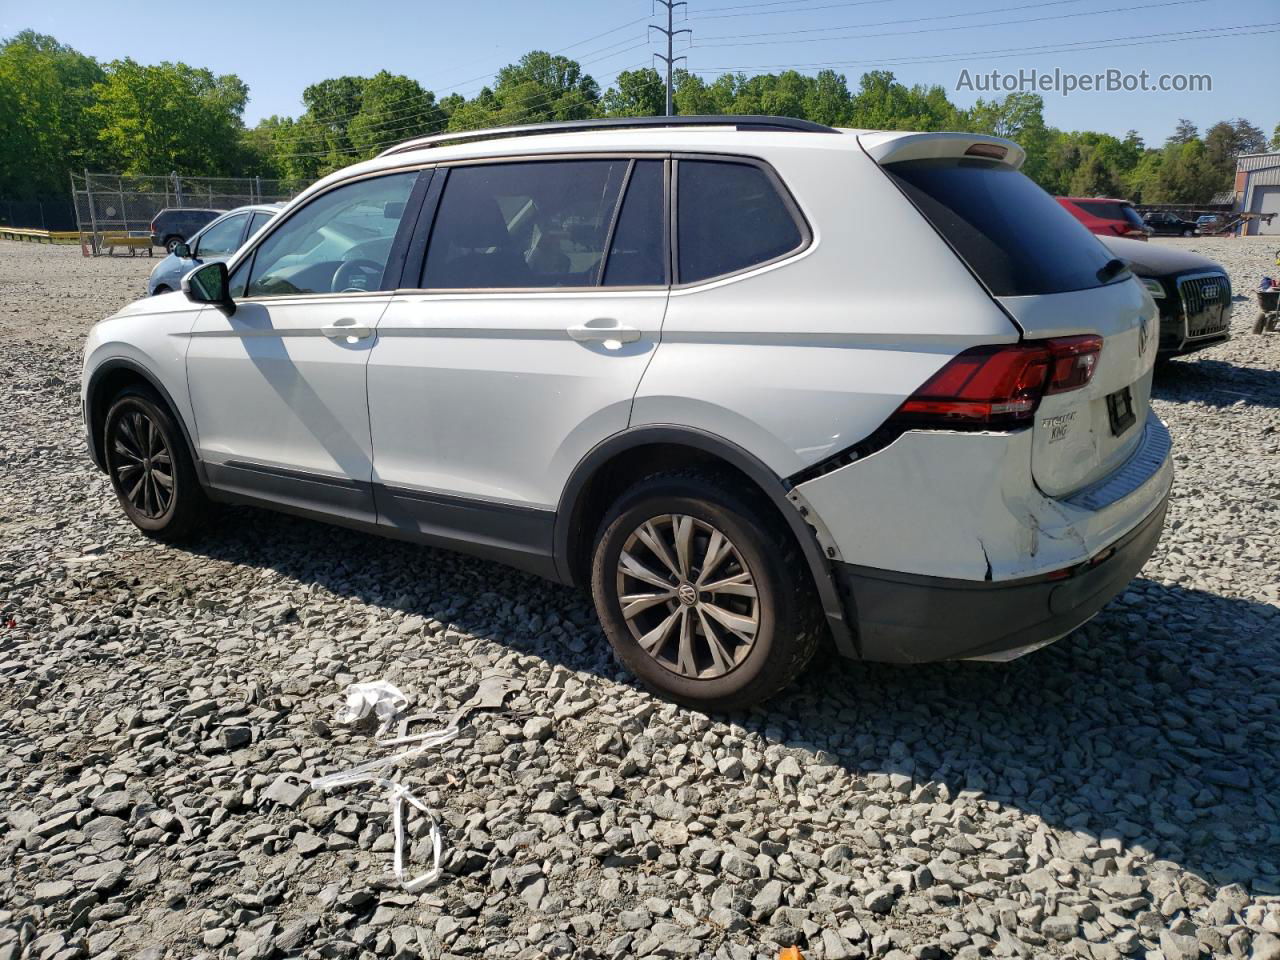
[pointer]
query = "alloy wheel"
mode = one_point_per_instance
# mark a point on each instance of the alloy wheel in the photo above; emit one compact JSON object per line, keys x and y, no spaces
{"x":688,"y":596}
{"x":142,"y":464}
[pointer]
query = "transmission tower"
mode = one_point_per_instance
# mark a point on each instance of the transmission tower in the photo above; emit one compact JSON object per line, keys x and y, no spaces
{"x":670,"y":32}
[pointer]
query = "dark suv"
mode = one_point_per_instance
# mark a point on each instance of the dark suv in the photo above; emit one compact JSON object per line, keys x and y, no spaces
{"x":174,"y":225}
{"x":1170,"y":225}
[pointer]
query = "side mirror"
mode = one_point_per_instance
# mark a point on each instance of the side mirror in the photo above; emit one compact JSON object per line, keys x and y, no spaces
{"x":182,"y":249}
{"x":209,"y":284}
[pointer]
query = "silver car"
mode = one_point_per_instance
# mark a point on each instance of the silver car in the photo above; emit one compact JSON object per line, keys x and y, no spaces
{"x":217,"y":241}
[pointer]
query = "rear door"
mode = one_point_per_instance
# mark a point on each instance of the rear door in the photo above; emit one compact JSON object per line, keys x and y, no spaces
{"x":517,"y":344}
{"x":1052,"y":277}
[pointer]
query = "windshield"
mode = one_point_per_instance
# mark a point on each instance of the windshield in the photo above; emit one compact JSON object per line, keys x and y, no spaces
{"x":1016,"y":238}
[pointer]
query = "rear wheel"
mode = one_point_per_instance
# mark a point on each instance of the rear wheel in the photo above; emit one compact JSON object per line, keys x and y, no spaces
{"x":703,"y":593}
{"x":1188,"y":233}
{"x":150,"y":467}
{"x":171,"y":242}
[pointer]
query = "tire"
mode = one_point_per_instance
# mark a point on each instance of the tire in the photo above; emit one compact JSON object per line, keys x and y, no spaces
{"x":775,"y":633}
{"x":160,"y":289}
{"x":170,"y":243}
{"x":140,"y":438}
{"x":1188,"y":233}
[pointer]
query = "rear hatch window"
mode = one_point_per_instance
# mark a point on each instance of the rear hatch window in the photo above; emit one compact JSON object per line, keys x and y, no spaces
{"x":1015,"y":237}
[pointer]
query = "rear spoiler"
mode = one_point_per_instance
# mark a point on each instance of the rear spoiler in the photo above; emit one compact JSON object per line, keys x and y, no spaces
{"x":890,"y":147}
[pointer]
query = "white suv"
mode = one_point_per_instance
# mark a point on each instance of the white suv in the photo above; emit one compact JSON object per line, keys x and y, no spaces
{"x":755,"y":381}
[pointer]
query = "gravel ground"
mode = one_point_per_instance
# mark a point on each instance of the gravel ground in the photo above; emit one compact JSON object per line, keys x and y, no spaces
{"x":1115,"y":794}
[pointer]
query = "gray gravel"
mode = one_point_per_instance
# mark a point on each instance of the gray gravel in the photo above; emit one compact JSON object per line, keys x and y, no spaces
{"x":161,"y":710}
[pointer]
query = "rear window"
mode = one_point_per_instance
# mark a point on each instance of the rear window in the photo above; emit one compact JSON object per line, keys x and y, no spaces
{"x":730,"y":218}
{"x":1014,"y":236}
{"x":1117,"y":212}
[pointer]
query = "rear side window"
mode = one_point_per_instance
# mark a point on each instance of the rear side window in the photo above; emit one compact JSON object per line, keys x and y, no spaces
{"x":1013,"y":235}
{"x":730,"y":217}
{"x":257,"y":221}
{"x":637,"y":254}
{"x":529,"y":224}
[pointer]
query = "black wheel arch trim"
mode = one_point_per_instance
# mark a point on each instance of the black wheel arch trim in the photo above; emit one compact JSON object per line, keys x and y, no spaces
{"x":92,"y":400}
{"x":769,"y":483}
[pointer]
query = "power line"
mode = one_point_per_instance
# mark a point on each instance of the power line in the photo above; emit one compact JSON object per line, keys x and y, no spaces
{"x":541,"y":98}
{"x":390,"y":118}
{"x":886,"y":23}
{"x":670,"y":32}
{"x":966,"y":26}
{"x":1138,"y":40}
{"x":788,"y":3}
{"x":422,"y":97}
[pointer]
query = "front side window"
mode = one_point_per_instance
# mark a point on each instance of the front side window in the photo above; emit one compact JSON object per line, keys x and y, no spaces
{"x":339,"y":242}
{"x":730,"y":217}
{"x":528,"y":224}
{"x":222,"y":238}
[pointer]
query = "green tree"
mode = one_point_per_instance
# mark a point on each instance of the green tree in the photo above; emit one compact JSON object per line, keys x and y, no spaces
{"x":540,"y":87}
{"x":828,"y":100}
{"x":638,"y":93}
{"x":1228,"y":139}
{"x":170,"y":117}
{"x":882,"y":103}
{"x":45,"y":129}
{"x":393,"y":107}
{"x":692,"y":96}
{"x":1184,"y":132}
{"x":1275,"y":138}
{"x":1186,"y":175}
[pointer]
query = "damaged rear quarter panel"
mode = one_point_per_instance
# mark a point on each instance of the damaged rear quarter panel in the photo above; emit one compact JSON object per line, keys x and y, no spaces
{"x":962,"y":506}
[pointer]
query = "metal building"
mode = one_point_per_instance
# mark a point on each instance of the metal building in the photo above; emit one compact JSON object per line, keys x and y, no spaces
{"x":1258,"y":190}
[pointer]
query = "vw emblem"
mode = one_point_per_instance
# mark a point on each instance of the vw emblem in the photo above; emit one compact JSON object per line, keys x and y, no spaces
{"x":687,"y":594}
{"x":1210,"y":291}
{"x":1142,"y":337}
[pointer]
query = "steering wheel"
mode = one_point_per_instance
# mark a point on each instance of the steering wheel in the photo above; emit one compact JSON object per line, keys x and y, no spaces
{"x":356,"y":275}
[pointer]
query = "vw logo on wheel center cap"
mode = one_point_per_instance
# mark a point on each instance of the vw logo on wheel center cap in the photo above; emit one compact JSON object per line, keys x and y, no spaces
{"x":687,"y":593}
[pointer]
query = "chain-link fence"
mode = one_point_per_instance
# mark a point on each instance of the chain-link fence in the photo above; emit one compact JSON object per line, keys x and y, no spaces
{"x":38,"y":214}
{"x":112,"y":204}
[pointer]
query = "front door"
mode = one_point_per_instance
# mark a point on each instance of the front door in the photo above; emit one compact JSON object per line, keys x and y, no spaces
{"x":278,"y":387}
{"x":540,"y":303}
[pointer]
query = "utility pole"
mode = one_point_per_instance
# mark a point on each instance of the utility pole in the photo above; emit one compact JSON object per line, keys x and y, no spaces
{"x":670,"y":32}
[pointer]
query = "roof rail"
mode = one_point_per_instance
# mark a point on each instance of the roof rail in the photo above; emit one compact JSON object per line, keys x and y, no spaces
{"x":739,"y":122}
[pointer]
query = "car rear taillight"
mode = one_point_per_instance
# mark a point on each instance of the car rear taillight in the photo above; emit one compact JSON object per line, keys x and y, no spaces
{"x":1001,"y":386}
{"x":153,"y":227}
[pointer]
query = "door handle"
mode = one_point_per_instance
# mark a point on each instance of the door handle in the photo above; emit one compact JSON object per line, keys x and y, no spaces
{"x":347,"y":330}
{"x":604,"y":330}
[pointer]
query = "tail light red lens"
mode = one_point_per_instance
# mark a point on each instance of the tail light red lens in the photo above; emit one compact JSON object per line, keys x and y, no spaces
{"x":1001,"y":386}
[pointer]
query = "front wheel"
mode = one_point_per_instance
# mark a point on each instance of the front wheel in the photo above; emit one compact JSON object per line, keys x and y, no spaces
{"x":703,"y":593}
{"x":150,"y":468}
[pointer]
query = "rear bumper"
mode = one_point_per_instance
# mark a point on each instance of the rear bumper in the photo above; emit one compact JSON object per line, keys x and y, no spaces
{"x":907,"y":618}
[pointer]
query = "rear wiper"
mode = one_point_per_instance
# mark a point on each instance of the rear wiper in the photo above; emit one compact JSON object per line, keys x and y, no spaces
{"x":1112,"y":269}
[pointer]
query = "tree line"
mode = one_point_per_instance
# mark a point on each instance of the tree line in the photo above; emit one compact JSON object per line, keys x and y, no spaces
{"x":61,"y":111}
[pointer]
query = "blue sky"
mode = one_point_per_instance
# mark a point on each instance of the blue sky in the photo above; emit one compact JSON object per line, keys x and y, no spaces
{"x":279,"y":48}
